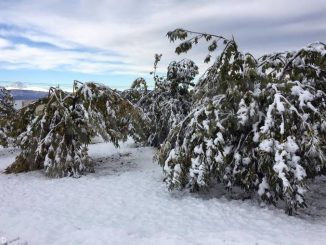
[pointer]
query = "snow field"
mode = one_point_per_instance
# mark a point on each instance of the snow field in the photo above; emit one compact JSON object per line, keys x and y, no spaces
{"x":126,"y":202}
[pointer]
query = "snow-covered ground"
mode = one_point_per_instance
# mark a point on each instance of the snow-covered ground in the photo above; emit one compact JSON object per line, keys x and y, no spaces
{"x":126,"y":202}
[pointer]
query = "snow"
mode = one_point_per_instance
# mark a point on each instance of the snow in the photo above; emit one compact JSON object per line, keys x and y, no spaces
{"x":279,"y":104}
{"x":126,"y":202}
{"x":282,"y":126}
{"x":219,"y":138}
{"x":304,"y":96}
{"x":262,"y":187}
{"x":266,"y":145}
{"x":291,"y":146}
{"x":199,"y":149}
{"x":242,"y":113}
{"x":172,"y":155}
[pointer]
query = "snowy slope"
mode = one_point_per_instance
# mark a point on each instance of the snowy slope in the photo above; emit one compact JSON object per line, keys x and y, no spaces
{"x":126,"y":202}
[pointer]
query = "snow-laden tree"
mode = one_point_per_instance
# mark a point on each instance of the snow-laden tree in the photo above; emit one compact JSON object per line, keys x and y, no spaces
{"x":6,"y":102}
{"x":62,"y":126}
{"x":255,"y":123}
{"x":138,"y":90}
{"x":170,"y":100}
{"x":6,"y":112}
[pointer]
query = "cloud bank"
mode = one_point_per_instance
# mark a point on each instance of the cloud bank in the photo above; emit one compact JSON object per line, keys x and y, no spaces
{"x":121,"y":37}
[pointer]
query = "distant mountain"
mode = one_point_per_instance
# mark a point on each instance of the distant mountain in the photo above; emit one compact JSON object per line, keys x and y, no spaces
{"x":18,"y":85}
{"x":22,"y":94}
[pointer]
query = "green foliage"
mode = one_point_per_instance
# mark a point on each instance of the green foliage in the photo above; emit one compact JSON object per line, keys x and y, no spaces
{"x":6,"y":102}
{"x":62,"y":125}
{"x":185,"y":46}
{"x":255,"y":123}
{"x":137,"y":91}
{"x":6,"y":112}
{"x":168,"y":103}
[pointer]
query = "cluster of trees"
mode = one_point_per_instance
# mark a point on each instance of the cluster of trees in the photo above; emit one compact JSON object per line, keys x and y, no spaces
{"x":254,"y":123}
{"x":170,"y":100}
{"x":53,"y":133}
{"x":258,"y":124}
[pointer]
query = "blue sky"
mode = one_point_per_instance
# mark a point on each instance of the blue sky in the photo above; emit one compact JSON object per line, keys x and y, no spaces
{"x":53,"y":42}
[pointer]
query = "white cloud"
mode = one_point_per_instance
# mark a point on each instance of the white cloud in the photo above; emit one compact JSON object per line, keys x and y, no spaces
{"x":22,"y":56}
{"x":127,"y":33}
{"x":4,"y":43}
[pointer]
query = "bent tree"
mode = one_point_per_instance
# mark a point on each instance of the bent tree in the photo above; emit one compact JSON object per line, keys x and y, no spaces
{"x":62,"y":125}
{"x":255,"y":123}
{"x":170,"y":100}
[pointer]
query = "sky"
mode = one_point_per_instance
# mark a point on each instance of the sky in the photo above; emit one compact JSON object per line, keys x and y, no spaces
{"x":53,"y":42}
